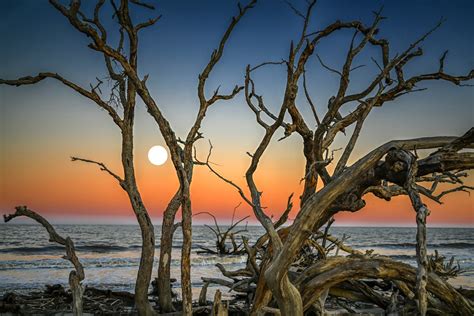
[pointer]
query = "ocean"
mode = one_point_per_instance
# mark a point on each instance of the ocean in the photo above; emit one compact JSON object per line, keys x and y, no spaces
{"x":111,"y":253}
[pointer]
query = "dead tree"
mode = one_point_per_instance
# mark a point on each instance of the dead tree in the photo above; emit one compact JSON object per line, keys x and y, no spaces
{"x":77,"y":275}
{"x":223,"y":235}
{"x":122,"y":64}
{"x":184,"y":165}
{"x":326,"y":273}
{"x":122,"y":97}
{"x":445,"y":270}
{"x":391,"y":169}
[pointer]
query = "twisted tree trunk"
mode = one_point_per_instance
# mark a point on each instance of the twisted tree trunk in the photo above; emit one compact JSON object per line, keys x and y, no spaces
{"x":323,"y":275}
{"x":421,"y":213}
{"x":166,"y":246}
{"x":77,"y":275}
{"x":146,"y":227}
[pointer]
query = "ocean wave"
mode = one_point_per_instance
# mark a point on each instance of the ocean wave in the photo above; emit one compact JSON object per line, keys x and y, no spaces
{"x":64,"y":264}
{"x":113,"y":262}
{"x":93,"y":248}
{"x":203,"y":261}
{"x":106,"y":248}
{"x":456,"y":245}
{"x":402,"y":257}
{"x":100,"y":248}
{"x":32,"y":249}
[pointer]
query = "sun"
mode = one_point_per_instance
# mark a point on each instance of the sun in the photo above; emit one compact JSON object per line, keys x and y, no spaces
{"x":157,"y":155}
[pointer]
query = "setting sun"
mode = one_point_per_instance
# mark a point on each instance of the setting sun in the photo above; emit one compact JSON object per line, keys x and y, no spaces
{"x":157,"y":155}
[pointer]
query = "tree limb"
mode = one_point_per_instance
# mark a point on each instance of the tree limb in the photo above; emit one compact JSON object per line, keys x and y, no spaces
{"x":103,"y":167}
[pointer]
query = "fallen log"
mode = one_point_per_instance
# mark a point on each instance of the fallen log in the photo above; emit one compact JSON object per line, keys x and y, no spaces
{"x":325,"y":274}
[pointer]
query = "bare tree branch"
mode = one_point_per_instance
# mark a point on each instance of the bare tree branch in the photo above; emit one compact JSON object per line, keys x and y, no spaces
{"x":92,"y":95}
{"x":208,"y":165}
{"x":103,"y":167}
{"x":76,"y":276}
{"x":310,"y":102}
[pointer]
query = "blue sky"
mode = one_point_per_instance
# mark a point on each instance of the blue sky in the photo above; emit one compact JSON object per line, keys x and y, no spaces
{"x":48,"y":117}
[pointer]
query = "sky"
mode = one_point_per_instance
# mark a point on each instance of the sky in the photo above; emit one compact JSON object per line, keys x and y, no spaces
{"x":42,"y":125}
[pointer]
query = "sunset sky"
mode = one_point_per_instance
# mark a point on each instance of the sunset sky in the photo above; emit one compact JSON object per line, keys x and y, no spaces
{"x":42,"y":125}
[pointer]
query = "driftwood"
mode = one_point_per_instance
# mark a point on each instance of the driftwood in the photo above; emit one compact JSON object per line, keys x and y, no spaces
{"x":351,"y":281}
{"x":218,"y":307}
{"x":345,"y":280}
{"x":437,"y":264}
{"x":203,"y":294}
{"x":55,"y":299}
{"x":327,"y":273}
{"x":223,"y":235}
{"x":77,"y":275}
{"x":385,"y":171}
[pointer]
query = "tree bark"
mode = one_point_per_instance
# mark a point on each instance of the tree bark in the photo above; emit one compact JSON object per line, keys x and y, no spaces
{"x":146,"y":227}
{"x":218,"y":308}
{"x":77,"y":275}
{"x":329,"y":272}
{"x":166,"y":246}
{"x":317,"y":211}
{"x":186,"y":252}
{"x":421,"y":213}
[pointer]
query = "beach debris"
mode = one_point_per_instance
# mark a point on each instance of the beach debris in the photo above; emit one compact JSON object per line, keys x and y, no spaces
{"x":219,"y":308}
{"x":357,"y":281}
{"x":223,"y":235}
{"x":77,"y":275}
{"x":443,"y":268}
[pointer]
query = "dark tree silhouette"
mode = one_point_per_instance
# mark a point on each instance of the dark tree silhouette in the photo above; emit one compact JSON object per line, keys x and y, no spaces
{"x":122,"y":64}
{"x":391,"y":169}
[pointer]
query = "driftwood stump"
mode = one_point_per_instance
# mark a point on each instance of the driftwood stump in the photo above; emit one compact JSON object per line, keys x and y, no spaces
{"x":219,"y":308}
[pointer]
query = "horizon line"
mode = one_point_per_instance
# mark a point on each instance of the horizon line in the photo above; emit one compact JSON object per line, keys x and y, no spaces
{"x":341,"y":225}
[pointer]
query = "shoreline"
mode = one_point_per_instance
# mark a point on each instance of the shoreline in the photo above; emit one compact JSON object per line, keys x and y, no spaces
{"x":55,"y":299}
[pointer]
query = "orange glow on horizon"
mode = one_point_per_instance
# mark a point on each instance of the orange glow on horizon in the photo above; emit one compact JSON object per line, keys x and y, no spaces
{"x":62,"y":188}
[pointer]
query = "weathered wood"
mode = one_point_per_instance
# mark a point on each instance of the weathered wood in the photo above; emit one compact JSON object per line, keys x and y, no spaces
{"x":223,"y":235}
{"x":238,"y":287}
{"x":203,"y":294}
{"x":421,"y":213}
{"x":372,"y":295}
{"x":166,"y":245}
{"x":77,"y":275}
{"x":269,"y":310}
{"x":345,"y":188}
{"x":127,"y":84}
{"x":392,"y":308}
{"x":351,"y":295}
{"x":235,"y":273}
{"x":218,"y":307}
{"x":123,"y":295}
{"x":327,"y":273}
